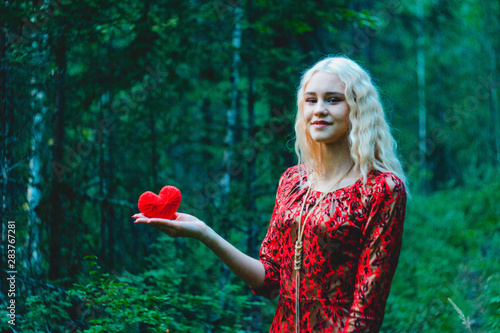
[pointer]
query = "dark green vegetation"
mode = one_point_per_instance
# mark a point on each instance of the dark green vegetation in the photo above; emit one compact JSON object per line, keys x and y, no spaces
{"x":451,"y":250}
{"x":103,"y":100}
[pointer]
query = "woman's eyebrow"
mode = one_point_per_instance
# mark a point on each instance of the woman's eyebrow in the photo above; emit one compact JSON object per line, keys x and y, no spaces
{"x":326,"y":93}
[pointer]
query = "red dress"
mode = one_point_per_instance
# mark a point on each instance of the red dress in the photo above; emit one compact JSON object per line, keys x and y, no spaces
{"x":351,"y":246}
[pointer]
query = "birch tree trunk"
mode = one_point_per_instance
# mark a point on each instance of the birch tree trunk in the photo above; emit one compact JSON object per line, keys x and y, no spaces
{"x":492,"y":24}
{"x":229,"y":142}
{"x":149,"y":235}
{"x":439,"y":160}
{"x":33,"y":253}
{"x":5,"y":154}
{"x":154,"y":148}
{"x":232,"y":113}
{"x":105,"y":173}
{"x":422,"y":110}
{"x":251,"y":177}
{"x":56,"y":198}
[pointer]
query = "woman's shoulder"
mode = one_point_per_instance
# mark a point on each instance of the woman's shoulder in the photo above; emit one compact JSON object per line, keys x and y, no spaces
{"x":384,"y":181}
{"x":292,"y":178}
{"x":293,"y":174}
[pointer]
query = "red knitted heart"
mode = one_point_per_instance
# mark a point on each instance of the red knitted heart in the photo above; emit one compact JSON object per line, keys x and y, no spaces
{"x":161,"y":206}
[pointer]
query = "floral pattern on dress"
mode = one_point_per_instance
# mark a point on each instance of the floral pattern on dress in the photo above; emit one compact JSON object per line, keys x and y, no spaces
{"x":351,"y":241}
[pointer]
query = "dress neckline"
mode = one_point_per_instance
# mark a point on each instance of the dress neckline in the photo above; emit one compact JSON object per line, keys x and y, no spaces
{"x":343,"y":189}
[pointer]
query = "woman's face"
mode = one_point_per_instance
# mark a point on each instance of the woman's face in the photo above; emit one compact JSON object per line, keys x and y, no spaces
{"x":326,"y":111}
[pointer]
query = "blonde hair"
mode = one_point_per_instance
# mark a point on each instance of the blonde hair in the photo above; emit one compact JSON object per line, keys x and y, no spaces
{"x":372,"y":146}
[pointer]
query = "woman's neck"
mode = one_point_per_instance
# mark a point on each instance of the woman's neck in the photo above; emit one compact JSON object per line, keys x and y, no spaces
{"x":337,"y":169}
{"x":337,"y":159}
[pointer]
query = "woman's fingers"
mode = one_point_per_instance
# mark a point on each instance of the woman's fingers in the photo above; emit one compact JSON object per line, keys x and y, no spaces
{"x":151,"y":220}
{"x":140,"y":217}
{"x":183,"y":225}
{"x":142,"y":220}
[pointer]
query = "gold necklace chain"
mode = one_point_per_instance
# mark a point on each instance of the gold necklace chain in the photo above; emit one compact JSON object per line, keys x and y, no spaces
{"x":297,"y":258}
{"x":301,"y":226}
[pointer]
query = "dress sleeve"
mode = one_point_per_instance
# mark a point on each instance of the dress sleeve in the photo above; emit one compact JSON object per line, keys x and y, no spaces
{"x":379,"y":255}
{"x":270,"y":250}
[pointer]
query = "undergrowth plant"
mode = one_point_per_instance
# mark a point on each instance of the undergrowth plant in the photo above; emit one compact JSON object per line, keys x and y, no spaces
{"x":451,"y":250}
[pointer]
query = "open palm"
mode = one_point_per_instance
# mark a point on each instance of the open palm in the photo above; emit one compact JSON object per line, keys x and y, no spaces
{"x":183,"y":225}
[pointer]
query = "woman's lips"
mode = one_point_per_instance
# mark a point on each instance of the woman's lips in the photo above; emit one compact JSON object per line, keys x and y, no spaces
{"x":320,"y":124}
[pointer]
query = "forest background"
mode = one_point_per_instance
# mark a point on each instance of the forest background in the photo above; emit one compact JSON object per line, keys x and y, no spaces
{"x":104,"y":100}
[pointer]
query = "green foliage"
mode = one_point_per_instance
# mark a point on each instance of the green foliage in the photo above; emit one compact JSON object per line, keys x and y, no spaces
{"x":451,"y":251}
{"x":160,"y":75}
{"x":154,"y":301}
{"x":115,"y":306}
{"x":104,"y":304}
{"x":49,"y":309}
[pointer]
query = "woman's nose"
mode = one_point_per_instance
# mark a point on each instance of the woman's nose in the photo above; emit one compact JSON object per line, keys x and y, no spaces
{"x":320,"y":108}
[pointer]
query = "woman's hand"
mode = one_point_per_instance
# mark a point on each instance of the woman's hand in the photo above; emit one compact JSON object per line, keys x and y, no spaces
{"x":183,"y":225}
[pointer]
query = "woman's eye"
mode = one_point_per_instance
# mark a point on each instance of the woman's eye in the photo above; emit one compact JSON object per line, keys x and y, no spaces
{"x":310,"y":100}
{"x":333,"y":100}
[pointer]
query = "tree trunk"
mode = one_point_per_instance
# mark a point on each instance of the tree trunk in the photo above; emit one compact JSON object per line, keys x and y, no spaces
{"x":33,"y":253}
{"x":5,"y":157}
{"x":229,"y":142}
{"x":493,"y":26}
{"x":422,"y":110}
{"x":103,"y":253}
{"x":150,"y":235}
{"x":154,"y":148}
{"x":439,"y":159}
{"x":232,"y":113}
{"x":105,"y":174}
{"x":56,"y":197}
{"x":251,"y":177}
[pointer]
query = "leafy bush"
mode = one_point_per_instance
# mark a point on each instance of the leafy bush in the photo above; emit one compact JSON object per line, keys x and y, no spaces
{"x":451,"y":249}
{"x":151,"y":302}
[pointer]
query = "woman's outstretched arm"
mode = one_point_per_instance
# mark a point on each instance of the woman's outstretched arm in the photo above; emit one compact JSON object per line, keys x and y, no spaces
{"x":250,"y":270}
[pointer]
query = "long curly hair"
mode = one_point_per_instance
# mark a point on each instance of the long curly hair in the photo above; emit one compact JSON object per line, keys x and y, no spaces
{"x":372,"y":145}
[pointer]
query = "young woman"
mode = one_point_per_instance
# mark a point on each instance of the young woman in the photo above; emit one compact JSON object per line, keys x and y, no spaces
{"x":334,"y":239}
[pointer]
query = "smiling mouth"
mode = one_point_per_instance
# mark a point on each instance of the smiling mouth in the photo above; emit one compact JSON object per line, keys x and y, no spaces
{"x":319,"y":124}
